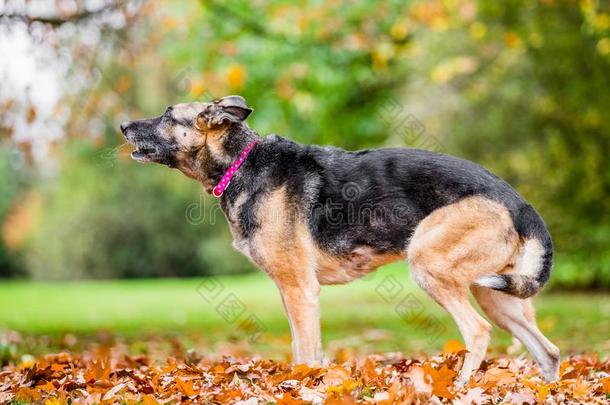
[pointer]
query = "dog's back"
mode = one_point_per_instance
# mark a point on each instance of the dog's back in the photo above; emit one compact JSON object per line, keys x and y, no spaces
{"x":377,"y":198}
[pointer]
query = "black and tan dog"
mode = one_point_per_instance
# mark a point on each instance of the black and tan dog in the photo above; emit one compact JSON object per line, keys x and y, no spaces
{"x":310,"y":216}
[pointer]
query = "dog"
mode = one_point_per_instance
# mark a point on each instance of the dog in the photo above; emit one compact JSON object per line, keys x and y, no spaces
{"x":310,"y":216}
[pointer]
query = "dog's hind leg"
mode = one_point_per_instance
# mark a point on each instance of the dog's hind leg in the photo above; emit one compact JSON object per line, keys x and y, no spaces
{"x":475,"y":330}
{"x":450,"y":249}
{"x":517,"y":316}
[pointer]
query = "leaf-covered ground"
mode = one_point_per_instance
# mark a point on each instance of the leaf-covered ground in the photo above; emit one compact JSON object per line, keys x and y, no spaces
{"x":109,"y":374}
{"x":130,"y":340}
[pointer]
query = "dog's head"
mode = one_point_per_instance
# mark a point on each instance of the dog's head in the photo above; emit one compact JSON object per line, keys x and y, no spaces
{"x":183,"y":135}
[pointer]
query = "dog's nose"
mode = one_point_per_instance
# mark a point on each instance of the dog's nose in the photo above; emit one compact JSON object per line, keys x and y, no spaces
{"x":124,"y":126}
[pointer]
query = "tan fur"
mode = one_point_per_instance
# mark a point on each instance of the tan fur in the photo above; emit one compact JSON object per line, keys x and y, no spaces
{"x":473,"y":237}
{"x":189,"y":137}
{"x":451,"y":248}
{"x":192,"y":138}
{"x":362,"y":261}
{"x":284,"y":250}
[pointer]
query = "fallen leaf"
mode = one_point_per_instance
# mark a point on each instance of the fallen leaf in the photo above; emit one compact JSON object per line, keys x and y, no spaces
{"x":149,"y":399}
{"x":474,"y":396}
{"x":498,"y":376}
{"x":521,"y":398}
{"x":452,"y":347}
{"x":542,"y":391}
{"x":441,"y":380}
{"x":605,"y":385}
{"x":580,"y":389}
{"x":186,"y":387}
{"x":113,"y":391}
{"x":336,"y":375}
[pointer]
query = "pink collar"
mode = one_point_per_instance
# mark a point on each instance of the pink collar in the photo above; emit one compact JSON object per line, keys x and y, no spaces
{"x":226,"y":178}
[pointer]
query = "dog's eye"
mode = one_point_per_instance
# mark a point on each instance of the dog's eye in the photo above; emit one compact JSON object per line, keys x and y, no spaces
{"x":184,"y":134}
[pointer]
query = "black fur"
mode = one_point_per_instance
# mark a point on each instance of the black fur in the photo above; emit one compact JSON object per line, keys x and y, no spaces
{"x":371,"y":198}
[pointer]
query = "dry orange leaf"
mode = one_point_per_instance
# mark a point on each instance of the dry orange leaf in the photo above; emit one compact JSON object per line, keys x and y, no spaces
{"x":369,"y":374}
{"x":336,"y":375}
{"x":453,"y":346}
{"x":229,"y":396}
{"x":288,"y":399}
{"x":498,"y":376}
{"x":441,"y":380}
{"x":186,"y":387}
{"x":149,"y":399}
{"x":580,"y":389}
{"x":346,"y":387}
{"x":338,"y":399}
{"x":605,"y":385}
{"x":542,"y":391}
{"x":98,"y":370}
{"x":301,"y":371}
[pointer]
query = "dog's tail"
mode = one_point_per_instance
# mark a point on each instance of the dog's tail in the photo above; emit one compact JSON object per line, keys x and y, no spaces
{"x":535,"y":260}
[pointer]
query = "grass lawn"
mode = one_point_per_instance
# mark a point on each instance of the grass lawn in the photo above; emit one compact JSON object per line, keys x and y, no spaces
{"x":363,"y":317}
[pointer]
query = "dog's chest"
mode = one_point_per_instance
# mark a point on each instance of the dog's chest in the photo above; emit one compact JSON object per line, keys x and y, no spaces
{"x":243,"y":246}
{"x":242,"y":242}
{"x":275,"y":237}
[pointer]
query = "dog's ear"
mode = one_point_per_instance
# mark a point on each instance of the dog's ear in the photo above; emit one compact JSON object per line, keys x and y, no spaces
{"x":229,"y":108}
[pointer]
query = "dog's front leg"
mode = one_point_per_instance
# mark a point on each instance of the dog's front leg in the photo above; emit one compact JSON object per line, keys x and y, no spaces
{"x":302,"y":304}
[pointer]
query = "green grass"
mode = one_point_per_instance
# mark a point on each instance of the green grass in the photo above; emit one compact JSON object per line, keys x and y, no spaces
{"x":354,"y":316}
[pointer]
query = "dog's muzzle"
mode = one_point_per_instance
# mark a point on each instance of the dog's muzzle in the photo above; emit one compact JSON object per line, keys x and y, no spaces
{"x":143,"y":151}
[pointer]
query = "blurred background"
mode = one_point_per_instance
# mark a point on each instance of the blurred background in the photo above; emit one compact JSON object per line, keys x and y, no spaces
{"x":521,"y":87}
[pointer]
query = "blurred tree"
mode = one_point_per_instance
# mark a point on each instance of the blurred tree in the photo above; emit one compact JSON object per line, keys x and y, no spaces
{"x":326,"y":68}
{"x":108,"y":219}
{"x":531,"y":110}
{"x":84,"y":203}
{"x":517,"y":86}
{"x":10,"y":188}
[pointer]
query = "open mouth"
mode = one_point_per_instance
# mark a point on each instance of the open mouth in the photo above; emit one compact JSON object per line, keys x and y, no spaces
{"x":142,"y":154}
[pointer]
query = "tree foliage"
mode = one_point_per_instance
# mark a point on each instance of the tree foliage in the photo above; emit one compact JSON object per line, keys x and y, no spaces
{"x":517,"y":86}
